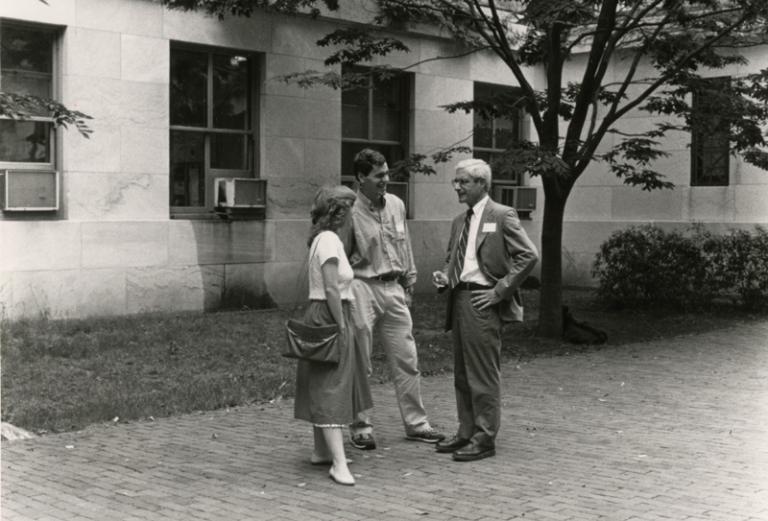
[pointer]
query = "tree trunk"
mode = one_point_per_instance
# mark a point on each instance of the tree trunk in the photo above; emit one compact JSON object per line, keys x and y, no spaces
{"x":551,"y":294}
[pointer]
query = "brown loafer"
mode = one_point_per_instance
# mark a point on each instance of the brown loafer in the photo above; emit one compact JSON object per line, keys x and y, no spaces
{"x":451,"y":445}
{"x":473,"y":452}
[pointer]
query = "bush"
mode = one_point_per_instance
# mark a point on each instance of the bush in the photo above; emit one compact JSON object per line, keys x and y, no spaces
{"x":737,"y":264}
{"x":645,"y":265}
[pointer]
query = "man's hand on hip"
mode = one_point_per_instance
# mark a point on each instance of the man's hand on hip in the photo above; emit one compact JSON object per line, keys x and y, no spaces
{"x":485,"y":298}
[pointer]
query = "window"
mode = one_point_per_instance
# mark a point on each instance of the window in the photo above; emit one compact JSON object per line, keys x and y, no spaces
{"x":27,"y":67}
{"x":375,"y":116}
{"x":709,"y":135}
{"x":491,"y":137}
{"x":212,"y":122}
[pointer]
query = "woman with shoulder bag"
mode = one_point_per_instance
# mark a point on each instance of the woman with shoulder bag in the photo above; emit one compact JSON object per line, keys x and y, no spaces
{"x":327,"y":395}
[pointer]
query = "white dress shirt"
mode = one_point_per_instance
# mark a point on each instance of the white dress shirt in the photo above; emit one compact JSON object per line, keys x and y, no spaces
{"x":471,"y":271}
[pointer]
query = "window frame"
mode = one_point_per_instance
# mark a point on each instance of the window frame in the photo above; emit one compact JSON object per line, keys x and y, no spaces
{"x":492,"y":151}
{"x":54,"y":145}
{"x":700,"y":156}
{"x":404,"y":96}
{"x":250,"y":133}
{"x":498,"y":185}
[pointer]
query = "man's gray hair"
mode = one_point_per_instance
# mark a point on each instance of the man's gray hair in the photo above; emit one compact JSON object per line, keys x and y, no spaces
{"x":477,"y":169}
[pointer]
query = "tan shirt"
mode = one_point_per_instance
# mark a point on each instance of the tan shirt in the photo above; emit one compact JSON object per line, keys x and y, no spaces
{"x":381,"y":243}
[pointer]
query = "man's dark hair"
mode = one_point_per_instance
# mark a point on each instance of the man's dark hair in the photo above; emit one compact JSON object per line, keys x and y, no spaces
{"x":365,"y":160}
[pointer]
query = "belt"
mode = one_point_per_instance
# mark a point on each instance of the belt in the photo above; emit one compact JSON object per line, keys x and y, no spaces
{"x":386,"y":277}
{"x":470,"y":286}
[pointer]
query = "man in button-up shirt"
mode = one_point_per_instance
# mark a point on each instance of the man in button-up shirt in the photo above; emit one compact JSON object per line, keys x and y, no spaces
{"x":489,"y":255}
{"x":382,"y":244}
{"x":382,"y":259}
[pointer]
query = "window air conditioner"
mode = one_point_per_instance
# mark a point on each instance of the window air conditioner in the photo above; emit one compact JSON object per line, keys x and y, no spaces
{"x":240,"y":198}
{"x":240,"y":193}
{"x":521,"y":198}
{"x":29,"y":190}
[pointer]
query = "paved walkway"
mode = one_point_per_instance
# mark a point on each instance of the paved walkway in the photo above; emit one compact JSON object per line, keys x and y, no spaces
{"x":673,"y":430}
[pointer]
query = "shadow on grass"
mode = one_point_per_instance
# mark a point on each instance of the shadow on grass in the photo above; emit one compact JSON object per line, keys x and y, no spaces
{"x":64,"y":375}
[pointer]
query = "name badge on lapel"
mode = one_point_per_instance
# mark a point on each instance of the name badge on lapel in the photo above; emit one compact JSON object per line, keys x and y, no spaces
{"x":400,"y":227}
{"x":488,"y":228}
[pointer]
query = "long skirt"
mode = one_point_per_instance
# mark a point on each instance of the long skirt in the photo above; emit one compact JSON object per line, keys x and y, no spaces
{"x":332,"y":395}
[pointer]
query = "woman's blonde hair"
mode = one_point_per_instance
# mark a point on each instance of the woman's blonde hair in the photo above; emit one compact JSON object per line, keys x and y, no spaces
{"x":329,"y":209}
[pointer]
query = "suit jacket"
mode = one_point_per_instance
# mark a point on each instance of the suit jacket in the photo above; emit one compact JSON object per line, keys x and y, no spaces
{"x":505,"y":255}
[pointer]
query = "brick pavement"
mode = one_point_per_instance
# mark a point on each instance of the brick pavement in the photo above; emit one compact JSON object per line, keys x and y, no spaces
{"x":672,"y":430}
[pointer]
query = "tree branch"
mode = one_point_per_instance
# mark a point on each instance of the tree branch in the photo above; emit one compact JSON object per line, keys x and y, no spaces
{"x":502,"y":49}
{"x":550,"y":139}
{"x":593,"y":140}
{"x":614,"y":114}
{"x":678,"y":64}
{"x":591,"y":78}
{"x":437,"y":58}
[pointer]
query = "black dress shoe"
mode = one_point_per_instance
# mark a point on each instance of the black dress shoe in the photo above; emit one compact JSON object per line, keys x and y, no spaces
{"x":451,"y":445}
{"x":473,"y":452}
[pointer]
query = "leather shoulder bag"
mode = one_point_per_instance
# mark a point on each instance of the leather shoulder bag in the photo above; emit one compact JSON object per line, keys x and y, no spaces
{"x":312,"y":343}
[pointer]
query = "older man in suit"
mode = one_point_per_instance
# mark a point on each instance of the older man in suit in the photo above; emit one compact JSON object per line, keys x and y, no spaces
{"x":489,"y":256}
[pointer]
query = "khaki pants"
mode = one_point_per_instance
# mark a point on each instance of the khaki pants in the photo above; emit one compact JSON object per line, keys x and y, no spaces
{"x":381,"y":307}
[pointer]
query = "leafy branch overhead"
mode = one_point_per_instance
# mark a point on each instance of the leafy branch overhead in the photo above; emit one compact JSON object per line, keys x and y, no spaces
{"x":27,"y":106}
{"x":222,"y":8}
{"x":357,"y":45}
{"x":417,"y":163}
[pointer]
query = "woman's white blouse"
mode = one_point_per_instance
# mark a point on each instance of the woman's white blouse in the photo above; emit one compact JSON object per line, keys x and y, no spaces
{"x":325,"y":246}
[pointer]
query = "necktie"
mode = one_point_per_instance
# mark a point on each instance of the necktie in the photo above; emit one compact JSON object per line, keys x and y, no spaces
{"x":461,"y":250}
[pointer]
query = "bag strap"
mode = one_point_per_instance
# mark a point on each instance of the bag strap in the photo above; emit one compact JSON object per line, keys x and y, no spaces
{"x":304,"y":274}
{"x":315,"y":242}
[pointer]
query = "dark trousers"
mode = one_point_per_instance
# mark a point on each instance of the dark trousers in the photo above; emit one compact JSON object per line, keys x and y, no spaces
{"x":477,"y":369}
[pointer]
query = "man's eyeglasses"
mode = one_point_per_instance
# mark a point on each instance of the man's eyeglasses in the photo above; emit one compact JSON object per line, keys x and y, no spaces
{"x":462,"y":181}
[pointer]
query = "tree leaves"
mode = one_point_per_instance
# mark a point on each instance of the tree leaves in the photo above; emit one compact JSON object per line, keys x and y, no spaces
{"x":630,"y":160}
{"x":26,"y":106}
{"x":527,"y":157}
{"x":423,"y":163}
{"x":358,"y":46}
{"x":246,"y":8}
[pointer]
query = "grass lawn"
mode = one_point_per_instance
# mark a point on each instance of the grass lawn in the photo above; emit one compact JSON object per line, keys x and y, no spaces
{"x":63,"y":375}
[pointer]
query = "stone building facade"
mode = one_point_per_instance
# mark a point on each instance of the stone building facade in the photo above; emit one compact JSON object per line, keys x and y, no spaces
{"x":180,"y":100}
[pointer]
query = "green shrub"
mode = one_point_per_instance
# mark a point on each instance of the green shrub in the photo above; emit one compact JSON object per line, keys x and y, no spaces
{"x":737,"y":264}
{"x":646,"y":265}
